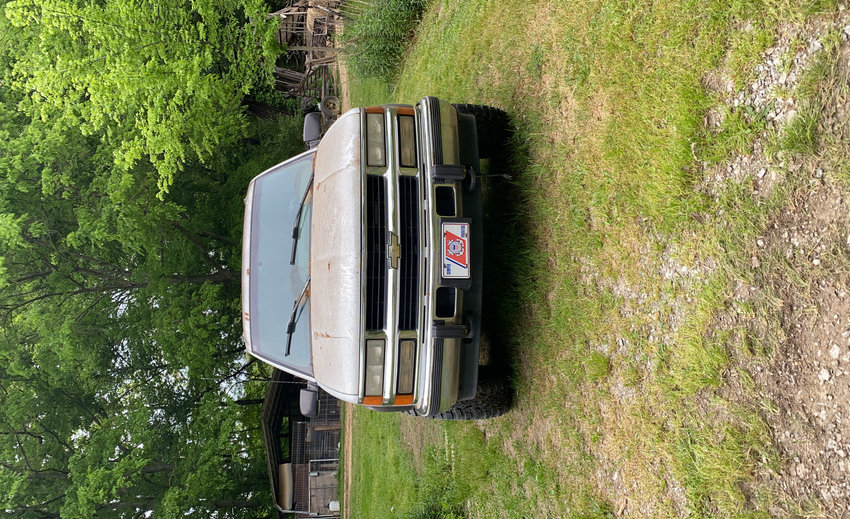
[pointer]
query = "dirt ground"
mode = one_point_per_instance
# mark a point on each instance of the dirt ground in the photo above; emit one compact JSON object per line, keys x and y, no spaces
{"x":808,"y":378}
{"x":800,"y":264}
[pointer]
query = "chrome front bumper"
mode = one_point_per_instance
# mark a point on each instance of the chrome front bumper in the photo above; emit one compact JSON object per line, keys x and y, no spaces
{"x":446,"y":341}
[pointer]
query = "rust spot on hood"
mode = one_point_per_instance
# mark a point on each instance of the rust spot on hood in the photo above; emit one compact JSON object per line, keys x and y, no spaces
{"x":325,"y":335}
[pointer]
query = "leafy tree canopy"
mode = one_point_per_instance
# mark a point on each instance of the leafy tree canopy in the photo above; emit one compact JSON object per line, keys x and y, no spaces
{"x":156,"y":79}
{"x":120,"y":355}
{"x":121,"y":364}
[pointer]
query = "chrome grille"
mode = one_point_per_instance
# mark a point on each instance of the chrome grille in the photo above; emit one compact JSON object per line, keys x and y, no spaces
{"x":376,"y":252}
{"x":408,"y":207}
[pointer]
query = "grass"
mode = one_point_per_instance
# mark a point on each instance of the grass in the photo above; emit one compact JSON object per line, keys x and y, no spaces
{"x":378,"y":433}
{"x":699,"y":355}
{"x":377,"y":35}
{"x":736,"y":133}
{"x":824,"y":82}
{"x":368,"y":91}
{"x":713,"y":462}
{"x":626,"y":376}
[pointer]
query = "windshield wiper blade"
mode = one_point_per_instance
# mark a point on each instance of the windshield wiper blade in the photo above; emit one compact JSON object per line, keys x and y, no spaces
{"x":298,"y":220}
{"x":293,"y":317}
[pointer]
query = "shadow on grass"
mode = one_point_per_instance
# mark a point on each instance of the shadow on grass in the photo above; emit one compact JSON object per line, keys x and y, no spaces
{"x":506,"y":244}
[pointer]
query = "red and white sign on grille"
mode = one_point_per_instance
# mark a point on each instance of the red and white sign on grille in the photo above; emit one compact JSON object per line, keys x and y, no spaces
{"x":456,"y":250}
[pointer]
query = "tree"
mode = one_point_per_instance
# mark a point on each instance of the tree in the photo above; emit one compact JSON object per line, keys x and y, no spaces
{"x":69,"y":453}
{"x":119,"y":331}
{"x":119,"y":311}
{"x":163,"y":80}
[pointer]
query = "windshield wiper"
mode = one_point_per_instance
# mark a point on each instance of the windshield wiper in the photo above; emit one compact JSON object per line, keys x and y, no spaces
{"x":293,"y":317}
{"x":295,"y":232}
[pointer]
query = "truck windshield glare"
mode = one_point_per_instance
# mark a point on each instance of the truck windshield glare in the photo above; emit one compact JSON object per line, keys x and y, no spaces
{"x":274,"y":283}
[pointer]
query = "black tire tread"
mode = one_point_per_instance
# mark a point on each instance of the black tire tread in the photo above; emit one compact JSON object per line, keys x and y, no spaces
{"x":492,"y":125}
{"x":493,"y":398}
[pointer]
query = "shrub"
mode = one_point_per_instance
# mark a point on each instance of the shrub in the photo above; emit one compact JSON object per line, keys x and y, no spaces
{"x":377,"y":34}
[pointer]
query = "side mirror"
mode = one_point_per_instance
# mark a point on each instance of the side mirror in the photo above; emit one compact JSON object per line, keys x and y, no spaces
{"x":309,"y":401}
{"x":312,"y":129}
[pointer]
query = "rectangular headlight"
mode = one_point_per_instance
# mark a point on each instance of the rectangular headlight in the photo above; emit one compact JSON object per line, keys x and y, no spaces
{"x":407,"y":141}
{"x":374,"y":367}
{"x":406,"y":365}
{"x":376,"y":148}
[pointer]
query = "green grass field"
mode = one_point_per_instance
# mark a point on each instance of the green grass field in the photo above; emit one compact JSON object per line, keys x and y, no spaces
{"x":635,"y":354}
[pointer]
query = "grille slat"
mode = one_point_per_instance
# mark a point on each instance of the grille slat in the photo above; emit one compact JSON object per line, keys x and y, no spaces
{"x":408,"y":304}
{"x":376,"y":252}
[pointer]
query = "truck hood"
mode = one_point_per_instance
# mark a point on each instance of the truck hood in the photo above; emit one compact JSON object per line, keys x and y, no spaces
{"x":335,"y":259}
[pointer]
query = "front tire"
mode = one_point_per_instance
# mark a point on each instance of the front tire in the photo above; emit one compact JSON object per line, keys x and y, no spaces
{"x":492,"y":125}
{"x":493,"y":398}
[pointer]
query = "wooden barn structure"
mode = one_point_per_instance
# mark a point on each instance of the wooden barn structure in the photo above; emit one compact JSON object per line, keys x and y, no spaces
{"x":307,"y":29}
{"x":302,"y":453}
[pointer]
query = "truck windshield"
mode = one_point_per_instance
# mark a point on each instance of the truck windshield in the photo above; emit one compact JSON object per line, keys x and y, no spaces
{"x":274,"y":282}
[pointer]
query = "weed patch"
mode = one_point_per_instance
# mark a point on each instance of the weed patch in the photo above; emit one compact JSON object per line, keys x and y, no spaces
{"x":377,"y":36}
{"x":713,"y":462}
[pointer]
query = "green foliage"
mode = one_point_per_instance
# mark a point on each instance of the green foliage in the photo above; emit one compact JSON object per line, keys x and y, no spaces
{"x":597,"y":366}
{"x":440,"y":495}
{"x":156,"y":80}
{"x":376,"y":38}
{"x":120,"y":351}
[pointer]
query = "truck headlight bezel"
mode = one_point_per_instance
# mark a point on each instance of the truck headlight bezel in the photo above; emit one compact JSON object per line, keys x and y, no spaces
{"x":373,"y":384}
{"x":406,"y":366}
{"x":376,"y":140}
{"x":407,"y":141}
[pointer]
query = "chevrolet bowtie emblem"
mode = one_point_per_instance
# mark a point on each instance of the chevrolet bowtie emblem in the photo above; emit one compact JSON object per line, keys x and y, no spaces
{"x":393,"y":251}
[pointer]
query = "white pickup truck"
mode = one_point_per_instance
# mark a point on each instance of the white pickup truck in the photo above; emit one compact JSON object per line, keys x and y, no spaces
{"x":362,"y":261}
